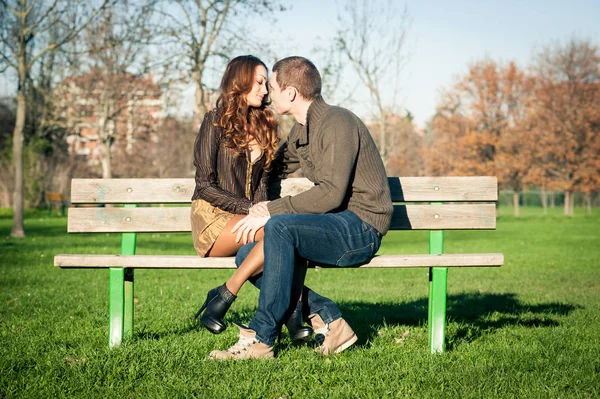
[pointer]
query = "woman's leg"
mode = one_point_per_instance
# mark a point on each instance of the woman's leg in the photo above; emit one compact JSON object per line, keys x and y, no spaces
{"x":219,"y":299}
{"x":252,"y":266}
{"x":227,"y":246}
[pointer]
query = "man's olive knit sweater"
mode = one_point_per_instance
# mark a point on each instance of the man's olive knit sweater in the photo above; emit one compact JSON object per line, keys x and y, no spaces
{"x":336,"y":152}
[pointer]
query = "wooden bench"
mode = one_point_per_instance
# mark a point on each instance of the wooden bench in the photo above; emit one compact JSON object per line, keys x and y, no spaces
{"x":472,"y":207}
{"x":56,"y":200}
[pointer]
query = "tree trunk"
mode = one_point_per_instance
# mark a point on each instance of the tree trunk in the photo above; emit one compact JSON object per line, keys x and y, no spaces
{"x":383,"y":145}
{"x":588,"y":203}
{"x":516,"y":203}
{"x":18,"y":229}
{"x":553,"y":199}
{"x":544,"y":198}
{"x":568,"y":199}
{"x":130,"y":129}
{"x":200,"y":104}
{"x":106,"y":161}
{"x":105,"y":144}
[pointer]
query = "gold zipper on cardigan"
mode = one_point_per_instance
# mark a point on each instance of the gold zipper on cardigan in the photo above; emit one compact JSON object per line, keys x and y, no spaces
{"x":248,"y":179}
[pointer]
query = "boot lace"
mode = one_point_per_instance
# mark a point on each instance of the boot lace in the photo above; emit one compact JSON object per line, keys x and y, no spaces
{"x":242,"y":344}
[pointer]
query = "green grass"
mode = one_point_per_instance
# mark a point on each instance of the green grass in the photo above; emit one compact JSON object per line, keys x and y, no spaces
{"x":529,"y":329}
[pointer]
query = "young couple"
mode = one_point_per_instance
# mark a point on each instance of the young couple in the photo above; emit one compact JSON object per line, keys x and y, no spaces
{"x":339,"y":221}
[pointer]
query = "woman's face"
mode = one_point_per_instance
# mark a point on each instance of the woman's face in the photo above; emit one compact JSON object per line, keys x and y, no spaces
{"x":259,"y":88}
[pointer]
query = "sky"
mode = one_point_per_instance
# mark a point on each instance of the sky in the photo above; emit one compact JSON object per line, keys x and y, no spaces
{"x":444,"y":37}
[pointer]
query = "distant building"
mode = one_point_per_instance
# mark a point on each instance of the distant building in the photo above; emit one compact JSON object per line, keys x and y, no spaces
{"x":123,"y":109}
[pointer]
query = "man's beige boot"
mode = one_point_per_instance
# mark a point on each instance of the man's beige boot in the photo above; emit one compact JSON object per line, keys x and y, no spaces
{"x":247,"y":347}
{"x":334,"y":337}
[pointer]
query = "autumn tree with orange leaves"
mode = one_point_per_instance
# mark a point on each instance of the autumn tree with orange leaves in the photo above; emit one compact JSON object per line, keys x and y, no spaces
{"x":481,"y":127}
{"x":566,"y":119}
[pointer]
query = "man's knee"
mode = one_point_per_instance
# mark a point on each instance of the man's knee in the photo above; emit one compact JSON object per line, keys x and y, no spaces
{"x":276,"y":224}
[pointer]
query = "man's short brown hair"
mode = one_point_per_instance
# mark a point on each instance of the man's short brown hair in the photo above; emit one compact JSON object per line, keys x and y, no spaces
{"x":300,"y":73}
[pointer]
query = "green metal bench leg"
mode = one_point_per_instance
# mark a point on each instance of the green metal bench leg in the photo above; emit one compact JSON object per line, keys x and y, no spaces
{"x":128,"y":245}
{"x":121,"y":295}
{"x":438,"y":277}
{"x":128,"y":304}
{"x":437,"y":308}
{"x":116,"y":306}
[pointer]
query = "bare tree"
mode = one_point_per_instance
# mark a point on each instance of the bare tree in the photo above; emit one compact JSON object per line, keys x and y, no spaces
{"x":372,"y":35}
{"x":23,"y":21}
{"x":205,"y":29}
{"x":111,"y":78}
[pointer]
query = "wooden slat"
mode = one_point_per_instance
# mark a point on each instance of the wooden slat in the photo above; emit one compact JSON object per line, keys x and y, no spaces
{"x":177,"y":219}
{"x":152,"y":191}
{"x":136,"y":191}
{"x":403,"y":189}
{"x":195,"y":262}
{"x":436,"y":189}
{"x":444,"y":217}
{"x":117,"y":220}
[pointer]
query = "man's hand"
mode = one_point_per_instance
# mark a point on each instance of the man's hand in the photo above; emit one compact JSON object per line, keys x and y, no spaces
{"x":247,"y":227}
{"x":260,"y":209}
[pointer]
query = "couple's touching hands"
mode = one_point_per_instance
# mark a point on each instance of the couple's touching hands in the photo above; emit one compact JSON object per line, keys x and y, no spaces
{"x":246,"y":228}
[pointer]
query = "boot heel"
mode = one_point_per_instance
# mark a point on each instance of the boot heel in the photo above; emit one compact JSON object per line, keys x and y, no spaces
{"x":212,"y":325}
{"x":299,"y":333}
{"x":201,"y":309}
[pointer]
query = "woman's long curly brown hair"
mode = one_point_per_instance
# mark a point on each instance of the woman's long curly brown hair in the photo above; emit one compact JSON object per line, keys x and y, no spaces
{"x":240,"y":123}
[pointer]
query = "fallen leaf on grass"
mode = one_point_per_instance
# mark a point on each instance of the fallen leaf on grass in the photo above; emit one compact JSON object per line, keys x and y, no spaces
{"x":403,"y":338}
{"x":73,"y":360}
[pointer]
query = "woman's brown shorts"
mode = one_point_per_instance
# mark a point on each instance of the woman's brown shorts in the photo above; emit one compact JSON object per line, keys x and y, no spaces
{"x":207,"y":224}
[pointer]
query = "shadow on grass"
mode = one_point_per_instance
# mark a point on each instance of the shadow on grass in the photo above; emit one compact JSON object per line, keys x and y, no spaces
{"x":476,"y":315}
{"x":190,"y":326}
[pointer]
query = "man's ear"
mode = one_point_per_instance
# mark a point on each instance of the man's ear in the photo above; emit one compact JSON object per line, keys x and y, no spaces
{"x":292,"y":93}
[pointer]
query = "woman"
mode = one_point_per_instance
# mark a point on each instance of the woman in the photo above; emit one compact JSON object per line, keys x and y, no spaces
{"x":233,"y":152}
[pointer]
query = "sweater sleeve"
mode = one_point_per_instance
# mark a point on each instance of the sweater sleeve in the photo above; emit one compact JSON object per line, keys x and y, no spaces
{"x":206,"y":152}
{"x":339,"y":143}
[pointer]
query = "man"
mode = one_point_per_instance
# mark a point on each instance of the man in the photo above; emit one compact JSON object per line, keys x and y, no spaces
{"x":339,"y":221}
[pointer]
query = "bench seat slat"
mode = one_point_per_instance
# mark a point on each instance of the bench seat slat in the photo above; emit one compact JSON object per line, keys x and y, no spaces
{"x":403,"y":189}
{"x":195,"y":262}
{"x":177,"y":219}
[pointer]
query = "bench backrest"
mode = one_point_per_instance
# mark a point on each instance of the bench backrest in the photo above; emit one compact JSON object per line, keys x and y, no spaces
{"x":472,"y":203}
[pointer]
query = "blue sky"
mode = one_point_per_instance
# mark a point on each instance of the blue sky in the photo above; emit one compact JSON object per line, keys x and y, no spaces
{"x":445,"y":36}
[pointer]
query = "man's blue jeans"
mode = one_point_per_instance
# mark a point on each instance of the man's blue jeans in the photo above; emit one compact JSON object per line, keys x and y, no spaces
{"x":340,"y":239}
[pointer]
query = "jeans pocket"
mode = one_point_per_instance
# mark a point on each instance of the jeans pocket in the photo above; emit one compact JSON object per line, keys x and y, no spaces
{"x":356,"y":256}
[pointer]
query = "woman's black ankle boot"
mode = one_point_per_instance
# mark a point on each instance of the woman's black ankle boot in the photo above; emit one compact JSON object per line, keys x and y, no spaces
{"x":217,"y":304}
{"x":298,"y":332}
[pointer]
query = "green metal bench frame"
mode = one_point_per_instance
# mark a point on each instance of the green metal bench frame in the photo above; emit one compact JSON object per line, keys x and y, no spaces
{"x":121,"y":277}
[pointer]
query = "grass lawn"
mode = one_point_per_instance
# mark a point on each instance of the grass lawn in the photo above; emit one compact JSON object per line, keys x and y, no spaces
{"x":530,"y":329}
